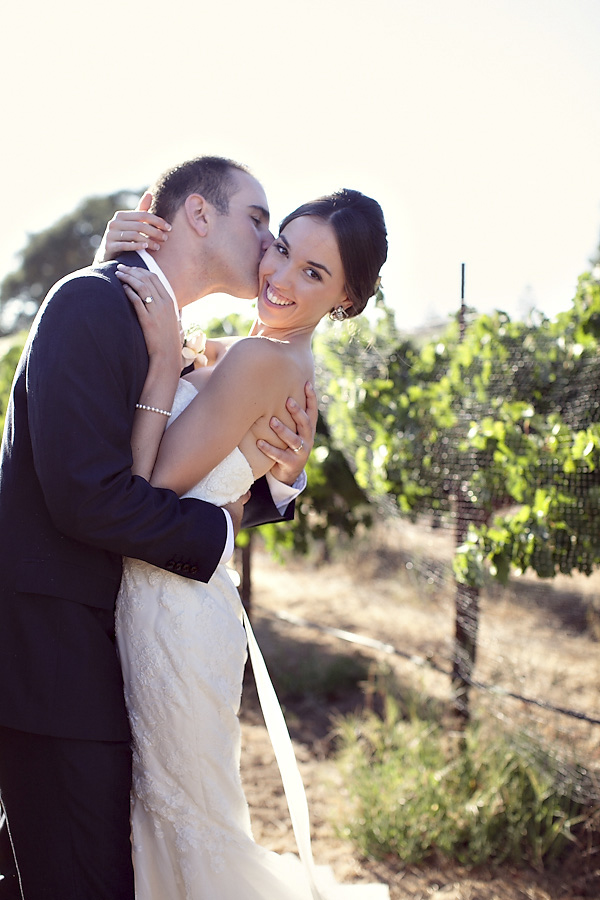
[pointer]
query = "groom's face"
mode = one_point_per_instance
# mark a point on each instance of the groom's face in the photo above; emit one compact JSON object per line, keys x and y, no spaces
{"x":241,"y":237}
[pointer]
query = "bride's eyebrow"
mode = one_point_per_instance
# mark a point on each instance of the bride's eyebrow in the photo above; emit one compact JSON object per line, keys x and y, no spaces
{"x":315,"y":265}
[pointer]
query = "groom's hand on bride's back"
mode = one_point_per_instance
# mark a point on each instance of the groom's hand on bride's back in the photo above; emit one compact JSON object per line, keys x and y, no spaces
{"x":289,"y":463}
{"x":236,"y":511}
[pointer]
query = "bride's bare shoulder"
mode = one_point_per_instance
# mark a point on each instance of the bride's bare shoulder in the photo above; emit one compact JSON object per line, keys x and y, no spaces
{"x":258,"y":364}
{"x":258,"y":352}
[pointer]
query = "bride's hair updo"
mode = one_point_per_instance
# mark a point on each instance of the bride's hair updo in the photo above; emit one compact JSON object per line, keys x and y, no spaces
{"x":361,"y":236}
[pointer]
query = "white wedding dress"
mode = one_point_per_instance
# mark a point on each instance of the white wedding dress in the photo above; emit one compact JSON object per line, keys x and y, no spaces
{"x":183,"y":648}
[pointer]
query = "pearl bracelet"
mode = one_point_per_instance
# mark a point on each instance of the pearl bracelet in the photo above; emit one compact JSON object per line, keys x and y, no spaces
{"x":163,"y":412}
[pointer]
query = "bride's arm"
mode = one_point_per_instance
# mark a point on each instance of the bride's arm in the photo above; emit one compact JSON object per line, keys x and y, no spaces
{"x":163,"y":340}
{"x":245,"y":386}
{"x":135,"y":229}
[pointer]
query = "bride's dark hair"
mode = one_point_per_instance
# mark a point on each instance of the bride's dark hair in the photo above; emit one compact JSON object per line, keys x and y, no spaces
{"x":361,"y":236}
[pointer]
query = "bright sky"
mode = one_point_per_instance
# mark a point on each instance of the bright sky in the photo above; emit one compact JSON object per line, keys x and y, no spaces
{"x":475,"y":123}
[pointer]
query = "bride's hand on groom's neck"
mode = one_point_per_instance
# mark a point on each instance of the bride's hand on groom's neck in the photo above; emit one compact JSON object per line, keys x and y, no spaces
{"x":133,"y":229}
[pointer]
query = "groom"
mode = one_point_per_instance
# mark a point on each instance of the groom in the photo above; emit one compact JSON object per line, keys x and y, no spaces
{"x":70,"y":510}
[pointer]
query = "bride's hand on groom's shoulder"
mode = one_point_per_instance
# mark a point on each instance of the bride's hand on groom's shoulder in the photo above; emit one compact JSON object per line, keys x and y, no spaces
{"x":156,"y":314}
{"x":135,"y":229}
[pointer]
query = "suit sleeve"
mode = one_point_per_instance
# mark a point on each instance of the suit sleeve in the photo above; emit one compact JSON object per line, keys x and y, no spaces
{"x":85,"y":369}
{"x":260,"y":509}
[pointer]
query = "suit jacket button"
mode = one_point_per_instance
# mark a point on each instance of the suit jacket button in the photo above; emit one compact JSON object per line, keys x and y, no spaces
{"x":185,"y":568}
{"x":177,"y":567}
{"x":193,"y":570}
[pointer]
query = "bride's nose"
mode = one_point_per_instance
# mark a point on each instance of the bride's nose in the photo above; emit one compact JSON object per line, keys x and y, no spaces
{"x":281,"y":277}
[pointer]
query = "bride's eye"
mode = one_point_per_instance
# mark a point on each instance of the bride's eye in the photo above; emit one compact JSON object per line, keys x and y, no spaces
{"x":281,"y":248}
{"x":312,"y":273}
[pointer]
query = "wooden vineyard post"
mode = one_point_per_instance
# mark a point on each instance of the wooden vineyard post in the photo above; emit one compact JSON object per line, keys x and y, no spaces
{"x":466,"y":620}
{"x":466,"y":597}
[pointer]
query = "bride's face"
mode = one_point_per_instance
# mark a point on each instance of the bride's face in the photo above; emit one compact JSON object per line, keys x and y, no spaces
{"x":301,"y":278}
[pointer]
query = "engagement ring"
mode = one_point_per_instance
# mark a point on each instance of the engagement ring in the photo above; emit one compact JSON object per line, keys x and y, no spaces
{"x":148,"y":299}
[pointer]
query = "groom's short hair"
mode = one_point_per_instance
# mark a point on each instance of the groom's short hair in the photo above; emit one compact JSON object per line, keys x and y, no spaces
{"x":210,"y":176}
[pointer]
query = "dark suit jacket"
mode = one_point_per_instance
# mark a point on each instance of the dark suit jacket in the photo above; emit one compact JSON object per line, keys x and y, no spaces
{"x":70,"y":509}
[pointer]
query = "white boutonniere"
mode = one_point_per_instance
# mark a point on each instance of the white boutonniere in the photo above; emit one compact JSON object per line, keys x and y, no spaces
{"x":194,"y":346}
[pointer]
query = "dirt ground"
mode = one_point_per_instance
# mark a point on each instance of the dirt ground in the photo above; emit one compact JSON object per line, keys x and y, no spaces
{"x":367,"y":602}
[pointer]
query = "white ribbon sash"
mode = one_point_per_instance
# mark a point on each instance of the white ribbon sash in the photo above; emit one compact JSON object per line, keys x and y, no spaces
{"x":285,"y":756}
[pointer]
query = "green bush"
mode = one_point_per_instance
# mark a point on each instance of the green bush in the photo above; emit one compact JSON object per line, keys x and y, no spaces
{"x":415,"y":790}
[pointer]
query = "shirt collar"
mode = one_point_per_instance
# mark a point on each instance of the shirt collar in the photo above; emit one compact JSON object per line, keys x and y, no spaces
{"x":154,"y":267}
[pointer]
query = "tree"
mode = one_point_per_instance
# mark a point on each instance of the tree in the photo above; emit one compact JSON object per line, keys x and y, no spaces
{"x":51,"y":254}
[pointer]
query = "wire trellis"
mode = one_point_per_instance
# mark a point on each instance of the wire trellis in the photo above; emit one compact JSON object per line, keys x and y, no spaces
{"x":539,"y":675}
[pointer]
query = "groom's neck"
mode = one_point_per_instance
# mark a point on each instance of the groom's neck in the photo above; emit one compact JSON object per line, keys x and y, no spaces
{"x":187,"y":276}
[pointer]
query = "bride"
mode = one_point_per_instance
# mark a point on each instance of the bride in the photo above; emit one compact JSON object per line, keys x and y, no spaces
{"x":183,"y":643}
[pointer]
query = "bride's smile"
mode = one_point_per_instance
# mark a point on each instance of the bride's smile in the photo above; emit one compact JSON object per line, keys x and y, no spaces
{"x":272,"y":297}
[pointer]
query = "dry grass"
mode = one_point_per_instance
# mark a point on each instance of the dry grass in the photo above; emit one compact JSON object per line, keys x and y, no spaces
{"x":534,"y":639}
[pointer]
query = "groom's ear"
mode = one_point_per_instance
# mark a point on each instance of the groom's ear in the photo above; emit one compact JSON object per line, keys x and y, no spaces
{"x":198,"y":213}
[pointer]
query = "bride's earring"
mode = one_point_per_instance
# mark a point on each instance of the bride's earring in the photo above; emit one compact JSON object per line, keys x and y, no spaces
{"x":338,"y":314}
